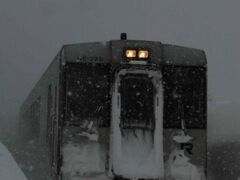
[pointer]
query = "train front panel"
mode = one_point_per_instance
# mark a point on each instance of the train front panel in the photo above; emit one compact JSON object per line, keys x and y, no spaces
{"x":137,"y":116}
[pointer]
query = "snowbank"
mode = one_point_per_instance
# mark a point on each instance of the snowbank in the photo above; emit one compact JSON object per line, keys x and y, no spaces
{"x":83,"y":156}
{"x":178,"y":167}
{"x":9,"y":169}
{"x":82,"y":159}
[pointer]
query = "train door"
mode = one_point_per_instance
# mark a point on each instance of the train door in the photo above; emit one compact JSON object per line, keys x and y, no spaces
{"x":136,"y":147}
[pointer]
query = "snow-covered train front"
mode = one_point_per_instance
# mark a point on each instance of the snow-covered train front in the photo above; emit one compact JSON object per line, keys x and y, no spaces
{"x":124,"y":109}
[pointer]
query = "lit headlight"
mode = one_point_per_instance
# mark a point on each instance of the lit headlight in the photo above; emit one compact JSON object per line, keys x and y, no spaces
{"x":143,"y":54}
{"x":131,"y":53}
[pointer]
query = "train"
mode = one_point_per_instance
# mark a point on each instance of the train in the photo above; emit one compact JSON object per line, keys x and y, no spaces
{"x":121,"y":109}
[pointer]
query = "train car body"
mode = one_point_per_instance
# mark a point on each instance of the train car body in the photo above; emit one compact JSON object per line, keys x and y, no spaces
{"x":120,"y":110}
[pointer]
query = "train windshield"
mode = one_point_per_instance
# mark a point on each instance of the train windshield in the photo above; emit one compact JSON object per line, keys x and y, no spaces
{"x":87,"y":94}
{"x":137,"y":104}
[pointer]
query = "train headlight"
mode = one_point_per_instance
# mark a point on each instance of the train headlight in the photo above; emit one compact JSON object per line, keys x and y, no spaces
{"x":131,"y":53}
{"x":143,"y":54}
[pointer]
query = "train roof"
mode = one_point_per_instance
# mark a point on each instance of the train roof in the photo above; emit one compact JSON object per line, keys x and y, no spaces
{"x":179,"y":55}
{"x":168,"y":54}
{"x":95,"y":49}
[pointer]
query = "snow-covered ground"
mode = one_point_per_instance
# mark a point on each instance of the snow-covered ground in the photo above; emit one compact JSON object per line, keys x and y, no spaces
{"x":9,"y":169}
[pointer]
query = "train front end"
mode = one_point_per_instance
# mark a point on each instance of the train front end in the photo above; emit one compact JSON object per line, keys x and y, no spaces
{"x":135,"y":110}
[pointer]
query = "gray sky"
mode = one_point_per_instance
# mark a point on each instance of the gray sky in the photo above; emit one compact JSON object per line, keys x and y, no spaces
{"x":32,"y":31}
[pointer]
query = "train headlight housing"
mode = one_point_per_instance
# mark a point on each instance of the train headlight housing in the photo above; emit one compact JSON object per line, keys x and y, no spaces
{"x":143,"y":54}
{"x":130,"y":53}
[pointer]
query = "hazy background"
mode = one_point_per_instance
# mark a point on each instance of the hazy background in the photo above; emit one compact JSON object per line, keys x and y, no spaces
{"x":32,"y":31}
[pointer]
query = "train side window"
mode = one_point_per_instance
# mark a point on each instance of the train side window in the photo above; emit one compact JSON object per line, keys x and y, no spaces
{"x":38,"y":116}
{"x":55,"y":100}
{"x":49,"y":109}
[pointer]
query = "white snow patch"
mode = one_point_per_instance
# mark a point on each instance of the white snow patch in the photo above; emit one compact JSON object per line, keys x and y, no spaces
{"x":138,"y":155}
{"x":9,"y":169}
{"x":179,"y":168}
{"x":91,"y":137}
{"x":182,"y":138}
{"x":83,"y":160}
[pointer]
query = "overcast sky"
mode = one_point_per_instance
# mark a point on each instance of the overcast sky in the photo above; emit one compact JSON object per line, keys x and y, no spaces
{"x":32,"y":32}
